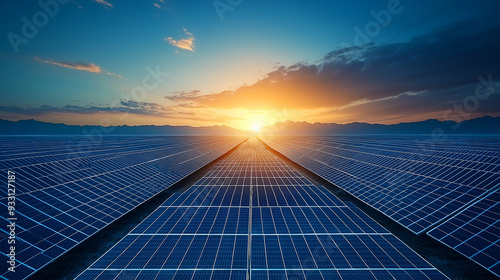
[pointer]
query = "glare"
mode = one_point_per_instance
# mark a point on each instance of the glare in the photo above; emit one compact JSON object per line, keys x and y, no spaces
{"x":257,"y":121}
{"x":256,"y":126}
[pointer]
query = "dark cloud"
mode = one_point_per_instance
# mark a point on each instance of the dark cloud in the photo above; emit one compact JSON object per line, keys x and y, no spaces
{"x":445,"y":64}
{"x":127,"y":106}
{"x":180,"y":95}
{"x":144,"y":108}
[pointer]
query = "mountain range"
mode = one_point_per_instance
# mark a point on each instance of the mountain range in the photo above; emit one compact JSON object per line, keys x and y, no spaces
{"x":482,"y":125}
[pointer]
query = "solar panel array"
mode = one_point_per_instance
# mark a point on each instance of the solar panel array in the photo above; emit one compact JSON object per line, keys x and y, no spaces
{"x":253,"y":217}
{"x":475,"y":232}
{"x":68,"y":188}
{"x":419,"y":184}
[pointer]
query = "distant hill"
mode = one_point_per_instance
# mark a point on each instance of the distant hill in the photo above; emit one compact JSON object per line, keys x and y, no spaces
{"x":33,"y":127}
{"x":483,"y":125}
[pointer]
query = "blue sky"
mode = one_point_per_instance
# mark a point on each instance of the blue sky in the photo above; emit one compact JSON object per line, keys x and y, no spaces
{"x":222,"y":57}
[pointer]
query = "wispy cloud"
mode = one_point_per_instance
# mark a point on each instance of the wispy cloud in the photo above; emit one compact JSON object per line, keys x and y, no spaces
{"x":104,"y":3}
{"x":83,"y":66}
{"x":77,"y":4}
{"x":160,"y":4}
{"x":90,"y":67}
{"x":185,"y":44}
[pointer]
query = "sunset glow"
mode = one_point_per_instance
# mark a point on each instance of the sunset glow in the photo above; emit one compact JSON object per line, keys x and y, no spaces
{"x":185,"y":65}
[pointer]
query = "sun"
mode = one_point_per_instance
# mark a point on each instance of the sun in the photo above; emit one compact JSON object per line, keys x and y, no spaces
{"x":256,"y":126}
{"x":257,"y":121}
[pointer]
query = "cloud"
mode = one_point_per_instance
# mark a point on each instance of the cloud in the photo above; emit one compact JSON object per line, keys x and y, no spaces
{"x":83,"y":66}
{"x":144,"y":108}
{"x":428,"y":73}
{"x":182,"y":95}
{"x":125,"y":106}
{"x":159,"y":4}
{"x":185,"y":44}
{"x":104,"y":3}
{"x":90,"y":67}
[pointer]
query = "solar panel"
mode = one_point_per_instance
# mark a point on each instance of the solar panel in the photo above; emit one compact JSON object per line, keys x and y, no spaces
{"x":196,"y":220}
{"x":418,"y":187}
{"x":68,"y":188}
{"x":176,"y":251}
{"x":356,"y":251}
{"x":253,"y":217}
{"x":213,"y":196}
{"x":475,"y":232}
{"x":312,"y":220}
{"x":343,"y":274}
{"x":166,"y":274}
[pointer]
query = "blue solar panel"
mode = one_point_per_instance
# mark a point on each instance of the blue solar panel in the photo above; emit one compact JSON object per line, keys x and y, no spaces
{"x":312,"y":220}
{"x":195,"y":220}
{"x":348,"y":274}
{"x":66,"y":192}
{"x":165,"y":274}
{"x":176,"y":251}
{"x":253,"y":217}
{"x":293,"y":195}
{"x":420,"y":188}
{"x":475,"y":232}
{"x":356,"y":251}
{"x":212,"y":196}
{"x":416,"y":187}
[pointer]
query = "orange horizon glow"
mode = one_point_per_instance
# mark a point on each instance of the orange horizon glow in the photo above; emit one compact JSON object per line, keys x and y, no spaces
{"x":242,"y":119}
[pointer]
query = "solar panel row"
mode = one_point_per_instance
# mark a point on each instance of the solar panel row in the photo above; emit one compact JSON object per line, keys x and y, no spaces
{"x":65,"y":194}
{"x":253,"y":216}
{"x":418,"y":186}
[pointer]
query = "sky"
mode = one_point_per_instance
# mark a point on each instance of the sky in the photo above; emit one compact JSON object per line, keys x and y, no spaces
{"x":248,"y":64}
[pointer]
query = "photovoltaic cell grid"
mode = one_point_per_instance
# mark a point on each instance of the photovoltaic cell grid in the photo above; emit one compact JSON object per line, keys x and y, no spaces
{"x":69,"y":188}
{"x":253,"y":216}
{"x":417,"y":186}
{"x":475,"y":232}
